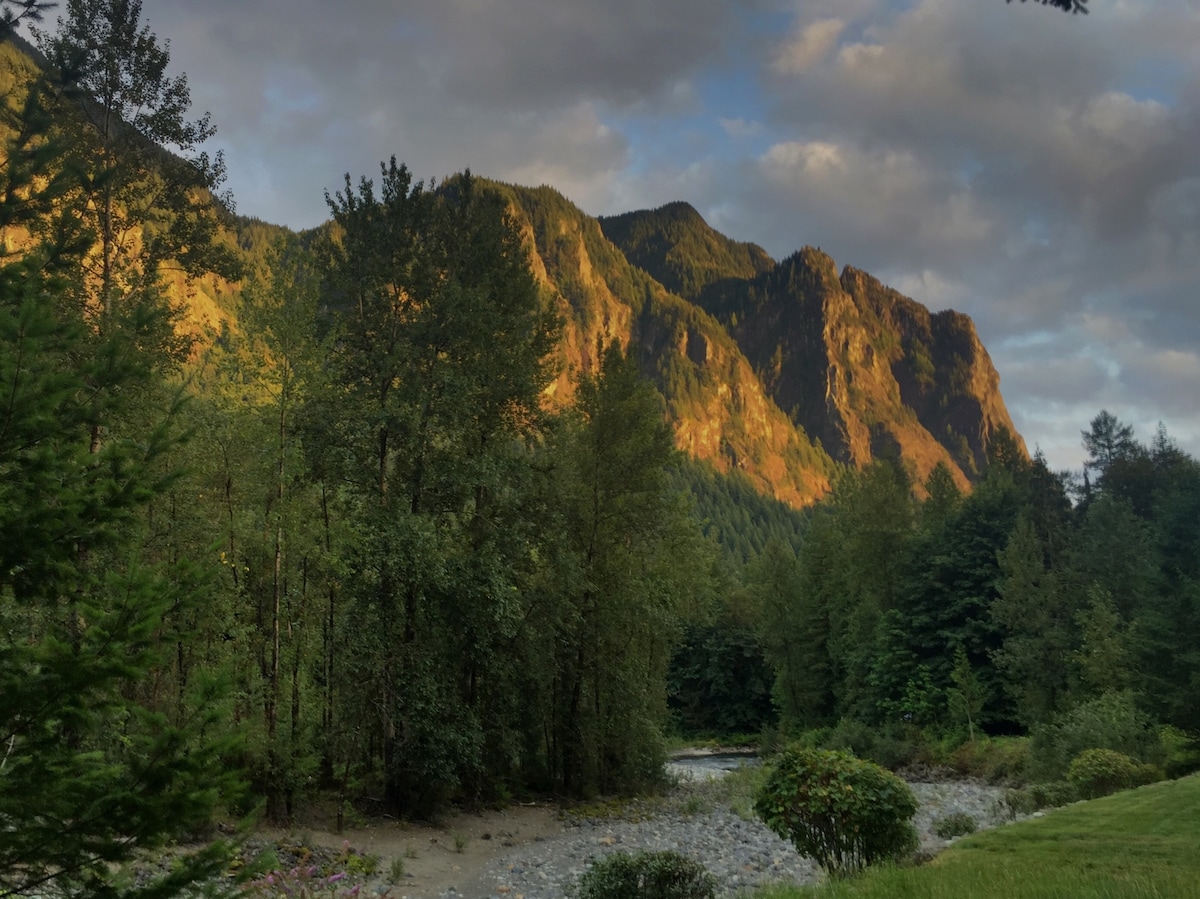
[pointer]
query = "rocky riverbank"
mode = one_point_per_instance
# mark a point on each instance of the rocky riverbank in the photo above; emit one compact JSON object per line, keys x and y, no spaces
{"x":736,"y":848}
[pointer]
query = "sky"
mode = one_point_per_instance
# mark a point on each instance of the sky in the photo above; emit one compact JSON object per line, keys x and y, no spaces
{"x":1037,"y":170}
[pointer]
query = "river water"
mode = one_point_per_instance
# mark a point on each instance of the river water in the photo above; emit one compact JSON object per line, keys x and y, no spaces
{"x":708,"y":766}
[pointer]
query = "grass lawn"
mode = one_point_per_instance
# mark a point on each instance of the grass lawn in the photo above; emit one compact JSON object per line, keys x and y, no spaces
{"x":1140,"y":844}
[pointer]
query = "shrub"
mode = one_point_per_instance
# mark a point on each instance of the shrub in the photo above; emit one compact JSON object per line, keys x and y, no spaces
{"x":842,"y":811}
{"x":1110,"y":721}
{"x":646,"y":875}
{"x":892,"y":746}
{"x":996,"y":760}
{"x":1098,"y":772}
{"x":1054,"y":794}
{"x":1181,"y":751}
{"x":956,"y":824}
{"x":1016,"y":803}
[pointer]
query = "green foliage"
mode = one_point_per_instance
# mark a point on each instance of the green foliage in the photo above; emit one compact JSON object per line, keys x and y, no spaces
{"x":631,"y":567}
{"x":1053,"y":794}
{"x":719,"y":682}
{"x":966,"y":696}
{"x":1099,"y":772}
{"x":735,"y":514}
{"x":436,"y":370}
{"x":956,"y":824}
{"x":645,"y":875}
{"x":96,"y":767}
{"x":892,"y":746}
{"x":994,"y":759}
{"x":1111,"y":721}
{"x":676,"y":246}
{"x":1181,"y":751}
{"x":1134,"y":845}
{"x":917,"y":356}
{"x":423,"y":585}
{"x":1034,"y":616}
{"x":844,"y":812}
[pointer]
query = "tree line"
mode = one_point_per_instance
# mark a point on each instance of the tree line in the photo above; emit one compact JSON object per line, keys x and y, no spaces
{"x":1034,"y":599}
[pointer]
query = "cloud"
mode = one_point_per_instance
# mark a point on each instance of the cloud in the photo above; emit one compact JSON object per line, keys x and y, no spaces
{"x":740,"y":129}
{"x":1035,"y":170}
{"x":1038,"y":172}
{"x":808,"y":46}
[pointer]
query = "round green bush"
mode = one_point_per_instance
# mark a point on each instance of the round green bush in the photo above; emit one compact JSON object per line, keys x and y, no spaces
{"x":1098,"y":772}
{"x":844,"y":812}
{"x":646,"y":875}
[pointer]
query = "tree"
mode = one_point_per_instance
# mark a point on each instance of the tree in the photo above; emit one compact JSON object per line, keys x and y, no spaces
{"x":146,"y":191}
{"x":794,"y":629}
{"x":14,"y":11}
{"x":90,"y":776}
{"x":247,"y":461}
{"x":1102,"y":657}
{"x":1034,"y":617}
{"x":1107,"y":442}
{"x":439,"y":341}
{"x":966,"y":695}
{"x":629,"y":568}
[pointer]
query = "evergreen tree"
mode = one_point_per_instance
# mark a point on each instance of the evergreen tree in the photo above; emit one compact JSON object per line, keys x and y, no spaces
{"x":1034,"y":617}
{"x":142,"y":187}
{"x":90,"y":775}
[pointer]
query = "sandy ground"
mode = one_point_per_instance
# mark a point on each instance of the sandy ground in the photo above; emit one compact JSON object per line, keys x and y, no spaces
{"x":454,"y":853}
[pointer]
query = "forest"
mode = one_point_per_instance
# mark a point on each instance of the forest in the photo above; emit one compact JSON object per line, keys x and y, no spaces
{"x":350,"y":551}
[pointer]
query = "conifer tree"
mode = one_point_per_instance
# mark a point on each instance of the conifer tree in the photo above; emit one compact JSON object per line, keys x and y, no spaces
{"x":88,"y":776}
{"x":145,"y":190}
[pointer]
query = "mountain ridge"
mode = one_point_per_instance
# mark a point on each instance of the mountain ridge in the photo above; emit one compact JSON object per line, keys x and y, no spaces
{"x":784,"y":371}
{"x":863,"y":369}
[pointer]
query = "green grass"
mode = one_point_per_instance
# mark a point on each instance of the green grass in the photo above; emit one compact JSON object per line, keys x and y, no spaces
{"x":1140,"y":844}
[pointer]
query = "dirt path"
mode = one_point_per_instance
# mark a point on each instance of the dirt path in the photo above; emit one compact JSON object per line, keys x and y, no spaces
{"x":453,"y":854}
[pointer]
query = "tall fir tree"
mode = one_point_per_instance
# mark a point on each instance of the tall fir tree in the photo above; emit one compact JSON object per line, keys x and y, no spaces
{"x":90,"y":775}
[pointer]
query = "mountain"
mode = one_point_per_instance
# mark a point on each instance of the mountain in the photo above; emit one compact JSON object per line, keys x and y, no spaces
{"x":864,"y":370}
{"x":717,"y":406}
{"x":679,"y":249}
{"x":780,"y":371}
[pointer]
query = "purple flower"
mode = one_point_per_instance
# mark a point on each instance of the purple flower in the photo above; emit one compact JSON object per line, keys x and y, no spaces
{"x":336,"y":877}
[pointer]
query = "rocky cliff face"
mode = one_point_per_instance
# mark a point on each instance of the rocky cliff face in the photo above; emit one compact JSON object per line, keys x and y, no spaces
{"x":718,"y":408}
{"x":862,"y":369}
